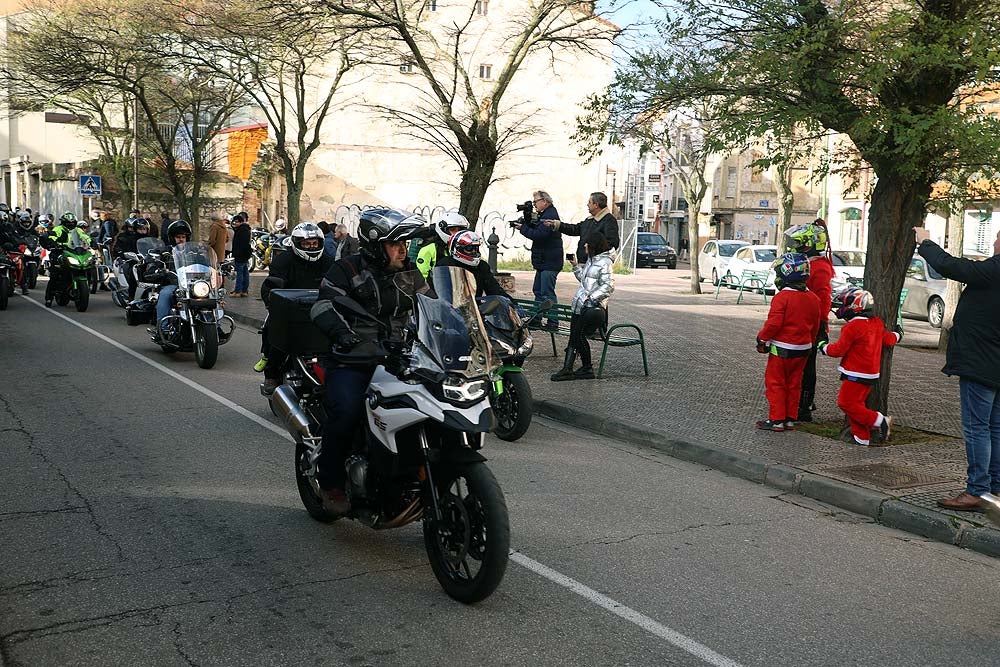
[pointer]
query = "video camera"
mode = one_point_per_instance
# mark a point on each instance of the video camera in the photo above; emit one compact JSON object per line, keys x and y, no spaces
{"x":525,"y":209}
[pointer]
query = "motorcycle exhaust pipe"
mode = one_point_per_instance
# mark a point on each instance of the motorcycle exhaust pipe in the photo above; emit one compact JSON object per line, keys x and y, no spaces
{"x":286,"y":405}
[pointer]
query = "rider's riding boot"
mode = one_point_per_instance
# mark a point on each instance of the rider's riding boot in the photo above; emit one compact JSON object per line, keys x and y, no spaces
{"x":566,"y":372}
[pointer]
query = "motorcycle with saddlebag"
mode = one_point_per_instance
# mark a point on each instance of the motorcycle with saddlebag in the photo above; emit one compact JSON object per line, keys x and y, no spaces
{"x":417,"y":455}
{"x":196,"y":320}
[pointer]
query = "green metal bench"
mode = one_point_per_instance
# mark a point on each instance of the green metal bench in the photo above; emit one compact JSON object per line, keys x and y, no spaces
{"x":563,"y":314}
{"x":755,"y":280}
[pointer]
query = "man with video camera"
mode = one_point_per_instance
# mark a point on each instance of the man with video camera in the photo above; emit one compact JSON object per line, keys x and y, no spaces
{"x":546,"y":247}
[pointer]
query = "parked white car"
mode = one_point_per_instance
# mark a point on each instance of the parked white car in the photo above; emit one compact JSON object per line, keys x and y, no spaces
{"x":925,"y":292}
{"x":847,"y":264}
{"x":753,"y":258}
{"x":713,"y":260}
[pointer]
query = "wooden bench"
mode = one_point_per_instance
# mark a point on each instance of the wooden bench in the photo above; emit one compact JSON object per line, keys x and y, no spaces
{"x":562,"y":314}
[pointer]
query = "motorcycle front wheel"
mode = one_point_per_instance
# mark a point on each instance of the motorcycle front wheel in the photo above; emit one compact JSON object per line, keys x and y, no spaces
{"x":513,"y":407}
{"x":82,"y":300}
{"x":469,"y":546}
{"x":32,"y":276}
{"x":206,"y":345}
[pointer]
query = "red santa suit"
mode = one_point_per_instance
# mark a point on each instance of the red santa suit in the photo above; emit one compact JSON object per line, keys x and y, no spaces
{"x":789,"y":333}
{"x":860,"y":348}
{"x":818,"y":282}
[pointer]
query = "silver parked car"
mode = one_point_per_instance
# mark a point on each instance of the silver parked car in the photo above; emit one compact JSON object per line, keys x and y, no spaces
{"x":713,"y":260}
{"x":925,"y":295}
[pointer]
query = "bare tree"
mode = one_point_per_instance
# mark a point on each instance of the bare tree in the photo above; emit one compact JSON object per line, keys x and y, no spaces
{"x":289,"y":65}
{"x":464,"y":112}
{"x":94,"y":50}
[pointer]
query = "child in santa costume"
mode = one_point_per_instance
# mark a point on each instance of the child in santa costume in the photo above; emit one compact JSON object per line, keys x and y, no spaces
{"x":812,"y":241}
{"x":787,"y":337}
{"x":860,"y":348}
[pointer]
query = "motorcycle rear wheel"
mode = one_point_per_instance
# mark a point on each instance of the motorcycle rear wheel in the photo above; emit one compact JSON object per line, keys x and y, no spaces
{"x":308,"y":492}
{"x":4,"y":297}
{"x":206,"y":345}
{"x":473,"y":527}
{"x":513,"y":407}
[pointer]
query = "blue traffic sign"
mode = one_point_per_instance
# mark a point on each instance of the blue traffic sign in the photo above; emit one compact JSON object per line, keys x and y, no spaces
{"x":90,"y":186}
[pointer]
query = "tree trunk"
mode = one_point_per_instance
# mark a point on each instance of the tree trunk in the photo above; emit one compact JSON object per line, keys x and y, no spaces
{"x":294,"y":183}
{"x":694,"y":247}
{"x":956,"y":245}
{"x":476,"y":181}
{"x":897,"y":206}
{"x":786,"y":203}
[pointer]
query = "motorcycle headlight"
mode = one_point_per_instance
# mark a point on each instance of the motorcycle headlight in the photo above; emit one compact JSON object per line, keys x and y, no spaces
{"x":200,"y":289}
{"x":73,"y":261}
{"x":457,"y":389}
{"x":526,"y":347}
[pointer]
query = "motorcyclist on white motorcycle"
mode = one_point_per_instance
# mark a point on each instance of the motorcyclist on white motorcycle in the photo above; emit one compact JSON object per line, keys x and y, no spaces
{"x":368,"y":280}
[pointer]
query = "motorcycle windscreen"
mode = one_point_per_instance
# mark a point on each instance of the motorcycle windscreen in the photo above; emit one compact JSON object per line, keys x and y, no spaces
{"x":194,"y":261}
{"x":78,"y":242}
{"x":146,"y":243}
{"x":450,"y":333}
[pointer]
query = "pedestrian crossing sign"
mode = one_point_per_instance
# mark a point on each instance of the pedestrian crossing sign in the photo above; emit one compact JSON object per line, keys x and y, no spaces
{"x":90,"y":186}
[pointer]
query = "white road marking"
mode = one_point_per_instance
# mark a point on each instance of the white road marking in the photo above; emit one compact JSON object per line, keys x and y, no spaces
{"x":651,"y":626}
{"x":682,"y":642}
{"x":257,"y":419}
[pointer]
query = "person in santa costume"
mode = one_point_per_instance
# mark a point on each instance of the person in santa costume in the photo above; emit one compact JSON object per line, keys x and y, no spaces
{"x":787,"y":337}
{"x":860,"y":349}
{"x":813,"y":241}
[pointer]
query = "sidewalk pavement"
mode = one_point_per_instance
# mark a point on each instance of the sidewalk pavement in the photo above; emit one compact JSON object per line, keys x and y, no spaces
{"x":706,"y":390}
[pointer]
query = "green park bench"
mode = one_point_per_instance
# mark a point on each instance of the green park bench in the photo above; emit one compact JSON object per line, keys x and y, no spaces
{"x":615,"y":335}
{"x":748,"y":280}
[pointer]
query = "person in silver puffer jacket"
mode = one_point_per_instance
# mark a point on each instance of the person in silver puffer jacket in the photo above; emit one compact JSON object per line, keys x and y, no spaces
{"x":590,"y":306}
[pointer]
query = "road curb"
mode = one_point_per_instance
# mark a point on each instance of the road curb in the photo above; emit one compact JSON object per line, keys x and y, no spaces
{"x":245,"y":319}
{"x":880,"y":507}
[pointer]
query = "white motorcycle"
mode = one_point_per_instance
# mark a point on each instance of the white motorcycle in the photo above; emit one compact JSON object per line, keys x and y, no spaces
{"x":428,"y":411}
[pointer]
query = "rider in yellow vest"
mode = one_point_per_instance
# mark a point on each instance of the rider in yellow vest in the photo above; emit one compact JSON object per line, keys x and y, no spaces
{"x":445,"y":227}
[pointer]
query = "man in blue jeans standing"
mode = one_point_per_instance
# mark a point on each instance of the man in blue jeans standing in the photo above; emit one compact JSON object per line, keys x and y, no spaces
{"x":546,"y":250}
{"x":974,"y":356}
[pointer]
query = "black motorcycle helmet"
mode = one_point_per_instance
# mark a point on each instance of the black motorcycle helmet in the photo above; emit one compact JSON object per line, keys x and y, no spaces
{"x":141,"y":226}
{"x":176,"y":228}
{"x":24,"y":220}
{"x":381,"y":225}
{"x":68,"y":220}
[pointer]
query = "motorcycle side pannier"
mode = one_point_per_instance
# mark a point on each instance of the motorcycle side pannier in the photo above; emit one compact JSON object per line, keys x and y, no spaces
{"x":289,"y":327}
{"x":139,"y":312}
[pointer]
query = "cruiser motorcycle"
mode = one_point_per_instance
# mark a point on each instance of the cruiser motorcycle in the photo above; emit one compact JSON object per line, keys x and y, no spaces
{"x":197,"y":320}
{"x":417,"y":456}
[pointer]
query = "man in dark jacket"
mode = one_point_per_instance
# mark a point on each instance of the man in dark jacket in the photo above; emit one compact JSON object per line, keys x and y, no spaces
{"x":242,"y":251}
{"x":546,"y":250}
{"x":599,"y":220}
{"x":974,"y":356}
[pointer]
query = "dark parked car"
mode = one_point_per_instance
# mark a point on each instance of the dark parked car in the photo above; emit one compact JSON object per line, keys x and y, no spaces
{"x":652,"y":250}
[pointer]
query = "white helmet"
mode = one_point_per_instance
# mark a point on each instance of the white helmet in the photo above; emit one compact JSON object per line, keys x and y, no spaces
{"x":307,"y":241}
{"x":280,"y":225}
{"x":448,"y":224}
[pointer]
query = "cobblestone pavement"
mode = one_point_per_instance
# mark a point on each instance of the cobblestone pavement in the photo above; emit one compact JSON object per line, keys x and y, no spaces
{"x":706,"y":386}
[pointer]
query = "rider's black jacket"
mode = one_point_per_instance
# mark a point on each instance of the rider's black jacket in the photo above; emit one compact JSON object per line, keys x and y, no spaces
{"x":125,"y":242}
{"x":373,"y":288}
{"x":293,"y":272}
{"x":10,"y":236}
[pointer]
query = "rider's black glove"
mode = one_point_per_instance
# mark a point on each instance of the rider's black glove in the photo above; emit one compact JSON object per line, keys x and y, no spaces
{"x":762,"y":346}
{"x":346,"y":341}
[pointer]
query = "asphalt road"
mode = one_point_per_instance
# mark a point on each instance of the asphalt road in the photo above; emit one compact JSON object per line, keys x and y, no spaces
{"x":148,"y":518}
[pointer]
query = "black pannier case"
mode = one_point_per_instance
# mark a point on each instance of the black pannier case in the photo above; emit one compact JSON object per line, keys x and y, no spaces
{"x":289,"y":327}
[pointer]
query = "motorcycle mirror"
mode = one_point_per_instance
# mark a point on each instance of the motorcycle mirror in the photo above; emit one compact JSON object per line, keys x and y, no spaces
{"x":490,"y":306}
{"x":354,"y":307}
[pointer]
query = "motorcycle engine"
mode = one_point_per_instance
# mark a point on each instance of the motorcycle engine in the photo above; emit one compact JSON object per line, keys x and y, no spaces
{"x":357,"y":474}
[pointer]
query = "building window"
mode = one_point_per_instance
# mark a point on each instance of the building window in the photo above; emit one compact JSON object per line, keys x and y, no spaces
{"x":406,"y":68}
{"x":482,"y":6}
{"x":486,"y":71}
{"x":432,"y":5}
